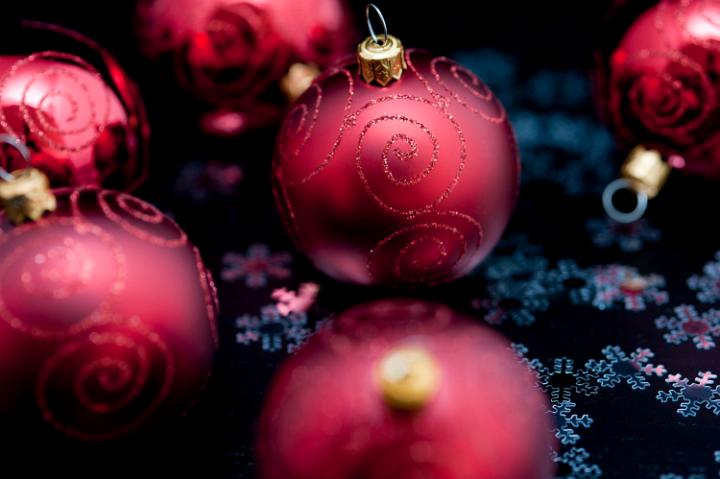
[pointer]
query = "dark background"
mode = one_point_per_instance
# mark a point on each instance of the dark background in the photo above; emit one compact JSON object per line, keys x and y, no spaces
{"x":214,"y":440}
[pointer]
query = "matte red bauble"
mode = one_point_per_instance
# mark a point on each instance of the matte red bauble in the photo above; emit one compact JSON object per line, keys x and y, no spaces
{"x":107,"y":316}
{"x":233,"y":54}
{"x":410,"y":183}
{"x":70,"y":102}
{"x":404,"y":389}
{"x":659,"y":80}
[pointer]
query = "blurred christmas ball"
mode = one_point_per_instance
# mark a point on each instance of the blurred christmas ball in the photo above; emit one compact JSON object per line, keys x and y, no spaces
{"x":410,"y":183}
{"x":107,"y":316}
{"x":404,"y":389}
{"x":67,"y":99}
{"x":233,"y":54}
{"x":658,"y":80}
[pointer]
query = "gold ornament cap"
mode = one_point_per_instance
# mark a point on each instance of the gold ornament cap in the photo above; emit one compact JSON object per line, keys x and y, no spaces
{"x":380,"y":59}
{"x":646,"y":170}
{"x":408,"y":378}
{"x":25,"y":194}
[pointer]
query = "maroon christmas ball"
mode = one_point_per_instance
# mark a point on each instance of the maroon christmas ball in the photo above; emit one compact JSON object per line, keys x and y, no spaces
{"x":659,"y":80}
{"x":410,"y":183}
{"x":107,"y":316}
{"x":408,"y":390}
{"x":233,"y":53}
{"x":71,"y":103}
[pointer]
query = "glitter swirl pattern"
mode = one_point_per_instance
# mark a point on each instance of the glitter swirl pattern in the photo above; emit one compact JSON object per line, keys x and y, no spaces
{"x":48,"y":262}
{"x":82,"y":121}
{"x":106,"y":381}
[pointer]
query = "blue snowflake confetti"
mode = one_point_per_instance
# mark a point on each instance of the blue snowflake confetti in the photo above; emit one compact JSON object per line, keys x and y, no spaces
{"x":567,"y":424}
{"x":692,"y":395}
{"x":708,"y":284}
{"x":562,"y":379}
{"x":678,"y":476}
{"x":567,"y":276}
{"x":256,"y":266}
{"x":572,"y":464}
{"x":689,"y":324}
{"x":202,"y":180}
{"x":272,"y":330}
{"x":614,"y":284}
{"x":630,"y":238}
{"x":618,"y":367}
{"x":513,"y":300}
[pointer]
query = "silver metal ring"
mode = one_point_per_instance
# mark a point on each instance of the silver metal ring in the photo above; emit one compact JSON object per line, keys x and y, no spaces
{"x":614,"y":213}
{"x":19,"y":146}
{"x":370,"y":27}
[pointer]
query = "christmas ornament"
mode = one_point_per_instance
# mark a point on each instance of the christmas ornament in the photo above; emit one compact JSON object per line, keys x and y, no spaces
{"x":658,"y":80}
{"x":396,"y":168}
{"x":73,"y":106}
{"x":107,"y":316}
{"x":404,"y":389}
{"x":240,"y":56}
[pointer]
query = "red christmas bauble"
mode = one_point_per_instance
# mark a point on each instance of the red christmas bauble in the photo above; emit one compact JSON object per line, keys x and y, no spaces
{"x":659,"y":80}
{"x":71,"y":103}
{"x":330,"y":414}
{"x":107,"y":316}
{"x":412,"y":183}
{"x":233,"y":53}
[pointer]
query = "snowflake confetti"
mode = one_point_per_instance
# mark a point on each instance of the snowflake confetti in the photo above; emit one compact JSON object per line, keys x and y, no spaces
{"x":708,"y":284}
{"x":256,"y":266}
{"x":618,"y":367}
{"x":562,"y":379}
{"x":567,"y":424}
{"x":622,"y":284}
{"x":630,"y":238}
{"x":692,"y":395}
{"x":272,"y":330}
{"x":689,"y":324}
{"x":572,"y":464}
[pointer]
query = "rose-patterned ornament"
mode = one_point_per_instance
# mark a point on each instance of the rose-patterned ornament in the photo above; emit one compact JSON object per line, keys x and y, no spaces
{"x":396,"y":168}
{"x":404,"y":389}
{"x":658,"y":80}
{"x":107,"y":316}
{"x":69,"y":101}
{"x":240,"y":56}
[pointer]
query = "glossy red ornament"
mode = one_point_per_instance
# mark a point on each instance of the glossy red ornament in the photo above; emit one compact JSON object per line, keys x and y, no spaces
{"x":107,"y":316}
{"x":325,"y":415}
{"x":659,"y":80}
{"x":67,"y":99}
{"x":412,"y":183}
{"x":232,"y":54}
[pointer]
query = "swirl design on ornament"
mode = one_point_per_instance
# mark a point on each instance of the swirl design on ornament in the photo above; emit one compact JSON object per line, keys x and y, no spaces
{"x":106,"y":381}
{"x":138,"y":218}
{"x":666,"y":92}
{"x":54,"y":284}
{"x":65,"y":119}
{"x":234,"y":56}
{"x":414,"y":149}
{"x":431,"y":249}
{"x":488,"y":106}
{"x":300,"y":124}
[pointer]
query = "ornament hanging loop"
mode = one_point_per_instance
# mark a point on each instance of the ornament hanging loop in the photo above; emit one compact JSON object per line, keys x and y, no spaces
{"x":15,"y":142}
{"x":24,"y":194}
{"x":368,"y":9}
{"x":608,"y":197}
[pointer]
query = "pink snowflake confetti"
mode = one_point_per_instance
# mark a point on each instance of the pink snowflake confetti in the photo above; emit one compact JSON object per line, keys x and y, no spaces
{"x":256,"y":266}
{"x":613,"y":284}
{"x":689,"y":324}
{"x":692,"y":395}
{"x":292,"y":302}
